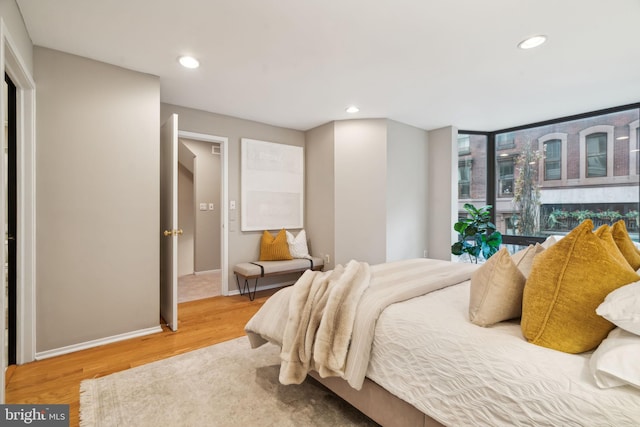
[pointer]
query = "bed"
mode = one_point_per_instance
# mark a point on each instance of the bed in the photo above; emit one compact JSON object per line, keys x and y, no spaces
{"x":428,"y":364}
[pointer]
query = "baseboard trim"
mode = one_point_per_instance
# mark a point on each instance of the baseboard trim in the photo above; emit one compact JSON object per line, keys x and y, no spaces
{"x":95,"y":343}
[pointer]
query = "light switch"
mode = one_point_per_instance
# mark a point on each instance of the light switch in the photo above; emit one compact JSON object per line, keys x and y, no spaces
{"x":210,"y":206}
{"x":203,"y":206}
{"x":232,"y":204}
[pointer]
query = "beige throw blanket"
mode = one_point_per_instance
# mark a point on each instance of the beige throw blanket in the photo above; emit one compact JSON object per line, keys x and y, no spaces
{"x":322,"y":308}
{"x":293,"y":313}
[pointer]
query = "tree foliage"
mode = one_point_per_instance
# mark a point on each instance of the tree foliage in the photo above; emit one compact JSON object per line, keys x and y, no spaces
{"x":526,"y":198}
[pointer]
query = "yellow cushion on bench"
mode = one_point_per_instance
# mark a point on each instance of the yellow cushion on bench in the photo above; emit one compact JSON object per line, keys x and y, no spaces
{"x":274,"y":248}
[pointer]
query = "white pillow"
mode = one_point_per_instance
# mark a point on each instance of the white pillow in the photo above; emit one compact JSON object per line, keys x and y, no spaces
{"x":622,"y":307}
{"x":298,"y":245}
{"x":615,"y":361}
{"x":551,"y":240}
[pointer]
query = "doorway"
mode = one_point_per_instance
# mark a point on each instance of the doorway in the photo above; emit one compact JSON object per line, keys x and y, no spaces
{"x":169,"y":221}
{"x":12,"y":64}
{"x":203,"y":203}
{"x":200,"y":216}
{"x":10,"y":158}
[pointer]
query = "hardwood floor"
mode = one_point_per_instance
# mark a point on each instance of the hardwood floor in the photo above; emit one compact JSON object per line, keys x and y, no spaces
{"x":200,"y":324}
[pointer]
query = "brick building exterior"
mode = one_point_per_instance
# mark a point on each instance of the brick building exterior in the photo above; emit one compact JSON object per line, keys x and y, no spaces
{"x":589,"y":165}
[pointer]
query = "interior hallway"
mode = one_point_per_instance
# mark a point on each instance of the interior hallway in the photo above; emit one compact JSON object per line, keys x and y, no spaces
{"x":192,"y":287}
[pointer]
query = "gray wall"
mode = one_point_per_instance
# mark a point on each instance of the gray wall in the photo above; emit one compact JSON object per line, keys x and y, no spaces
{"x":186,"y":217}
{"x":97,"y":200}
{"x":243,"y":246}
{"x":443,"y":191}
{"x":207,"y":189}
{"x":13,"y":20}
{"x":407,"y":212}
{"x":367,"y":190}
{"x":360,"y":190}
{"x":319,"y":191}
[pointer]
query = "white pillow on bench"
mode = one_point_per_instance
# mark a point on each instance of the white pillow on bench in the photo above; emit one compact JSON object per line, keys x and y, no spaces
{"x":298,"y":245}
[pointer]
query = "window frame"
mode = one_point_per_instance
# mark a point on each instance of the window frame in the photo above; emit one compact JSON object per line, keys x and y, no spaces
{"x":597,"y":139}
{"x":467,"y":147}
{"x":510,"y":159}
{"x":491,"y":193}
{"x":467,"y":164}
{"x":634,"y":140}
{"x":558,"y":160}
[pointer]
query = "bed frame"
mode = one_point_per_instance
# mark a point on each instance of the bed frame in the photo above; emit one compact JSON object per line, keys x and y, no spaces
{"x":377,"y":403}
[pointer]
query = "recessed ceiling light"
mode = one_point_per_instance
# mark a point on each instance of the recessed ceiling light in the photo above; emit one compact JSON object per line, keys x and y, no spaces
{"x":352,"y":109}
{"x":189,"y":62}
{"x":622,"y":138}
{"x":532,"y":42}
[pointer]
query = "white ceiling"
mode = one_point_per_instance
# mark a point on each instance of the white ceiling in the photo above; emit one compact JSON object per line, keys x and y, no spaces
{"x":300,"y":63}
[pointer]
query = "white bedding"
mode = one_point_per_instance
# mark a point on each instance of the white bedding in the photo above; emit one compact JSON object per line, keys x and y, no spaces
{"x":390,"y":283}
{"x":428,"y":353}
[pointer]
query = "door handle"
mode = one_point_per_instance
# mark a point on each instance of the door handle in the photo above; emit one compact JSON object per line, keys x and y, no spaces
{"x":177,"y":232}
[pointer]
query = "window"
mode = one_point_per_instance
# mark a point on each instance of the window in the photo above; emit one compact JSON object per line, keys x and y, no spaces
{"x":561,"y":172}
{"x":552,"y":159}
{"x":505,"y":176}
{"x":472,"y":187}
{"x":464,"y":179}
{"x":635,"y":152}
{"x":596,"y":154}
{"x":504,"y":141}
{"x":464,"y":145}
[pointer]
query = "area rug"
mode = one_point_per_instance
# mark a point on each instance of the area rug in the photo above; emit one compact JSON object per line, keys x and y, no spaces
{"x":227,"y":384}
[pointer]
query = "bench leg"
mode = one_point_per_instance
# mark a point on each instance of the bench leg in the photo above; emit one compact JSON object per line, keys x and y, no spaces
{"x":246,"y":288}
{"x":238,"y":284}
{"x":255,"y":287}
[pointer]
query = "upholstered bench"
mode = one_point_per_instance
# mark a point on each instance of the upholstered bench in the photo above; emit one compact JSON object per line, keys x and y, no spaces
{"x":258,"y":269}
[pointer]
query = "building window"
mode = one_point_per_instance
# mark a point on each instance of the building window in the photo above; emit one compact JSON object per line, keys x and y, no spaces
{"x":552,"y":159}
{"x":464,"y":146}
{"x":579,"y":173}
{"x":472,"y":185}
{"x":635,"y":151}
{"x":505,"y":141}
{"x":505,"y":176}
{"x":464,"y":179}
{"x":596,"y":152}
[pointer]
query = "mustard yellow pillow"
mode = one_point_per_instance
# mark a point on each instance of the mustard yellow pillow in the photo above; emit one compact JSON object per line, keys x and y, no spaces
{"x":496,"y":290}
{"x":606,"y":236}
{"x":567,"y":283}
{"x":274,"y":248}
{"x":625,"y":244}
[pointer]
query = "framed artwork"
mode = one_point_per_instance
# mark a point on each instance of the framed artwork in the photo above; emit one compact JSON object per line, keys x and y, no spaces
{"x":272,"y":185}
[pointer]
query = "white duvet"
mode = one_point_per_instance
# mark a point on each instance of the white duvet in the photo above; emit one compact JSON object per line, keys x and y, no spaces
{"x":428,"y":353}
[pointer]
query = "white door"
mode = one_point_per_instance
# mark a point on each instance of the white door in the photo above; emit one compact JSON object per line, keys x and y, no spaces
{"x":169,"y":222}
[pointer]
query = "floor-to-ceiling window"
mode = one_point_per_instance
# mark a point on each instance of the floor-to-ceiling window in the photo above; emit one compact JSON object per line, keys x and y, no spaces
{"x":546,"y":178}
